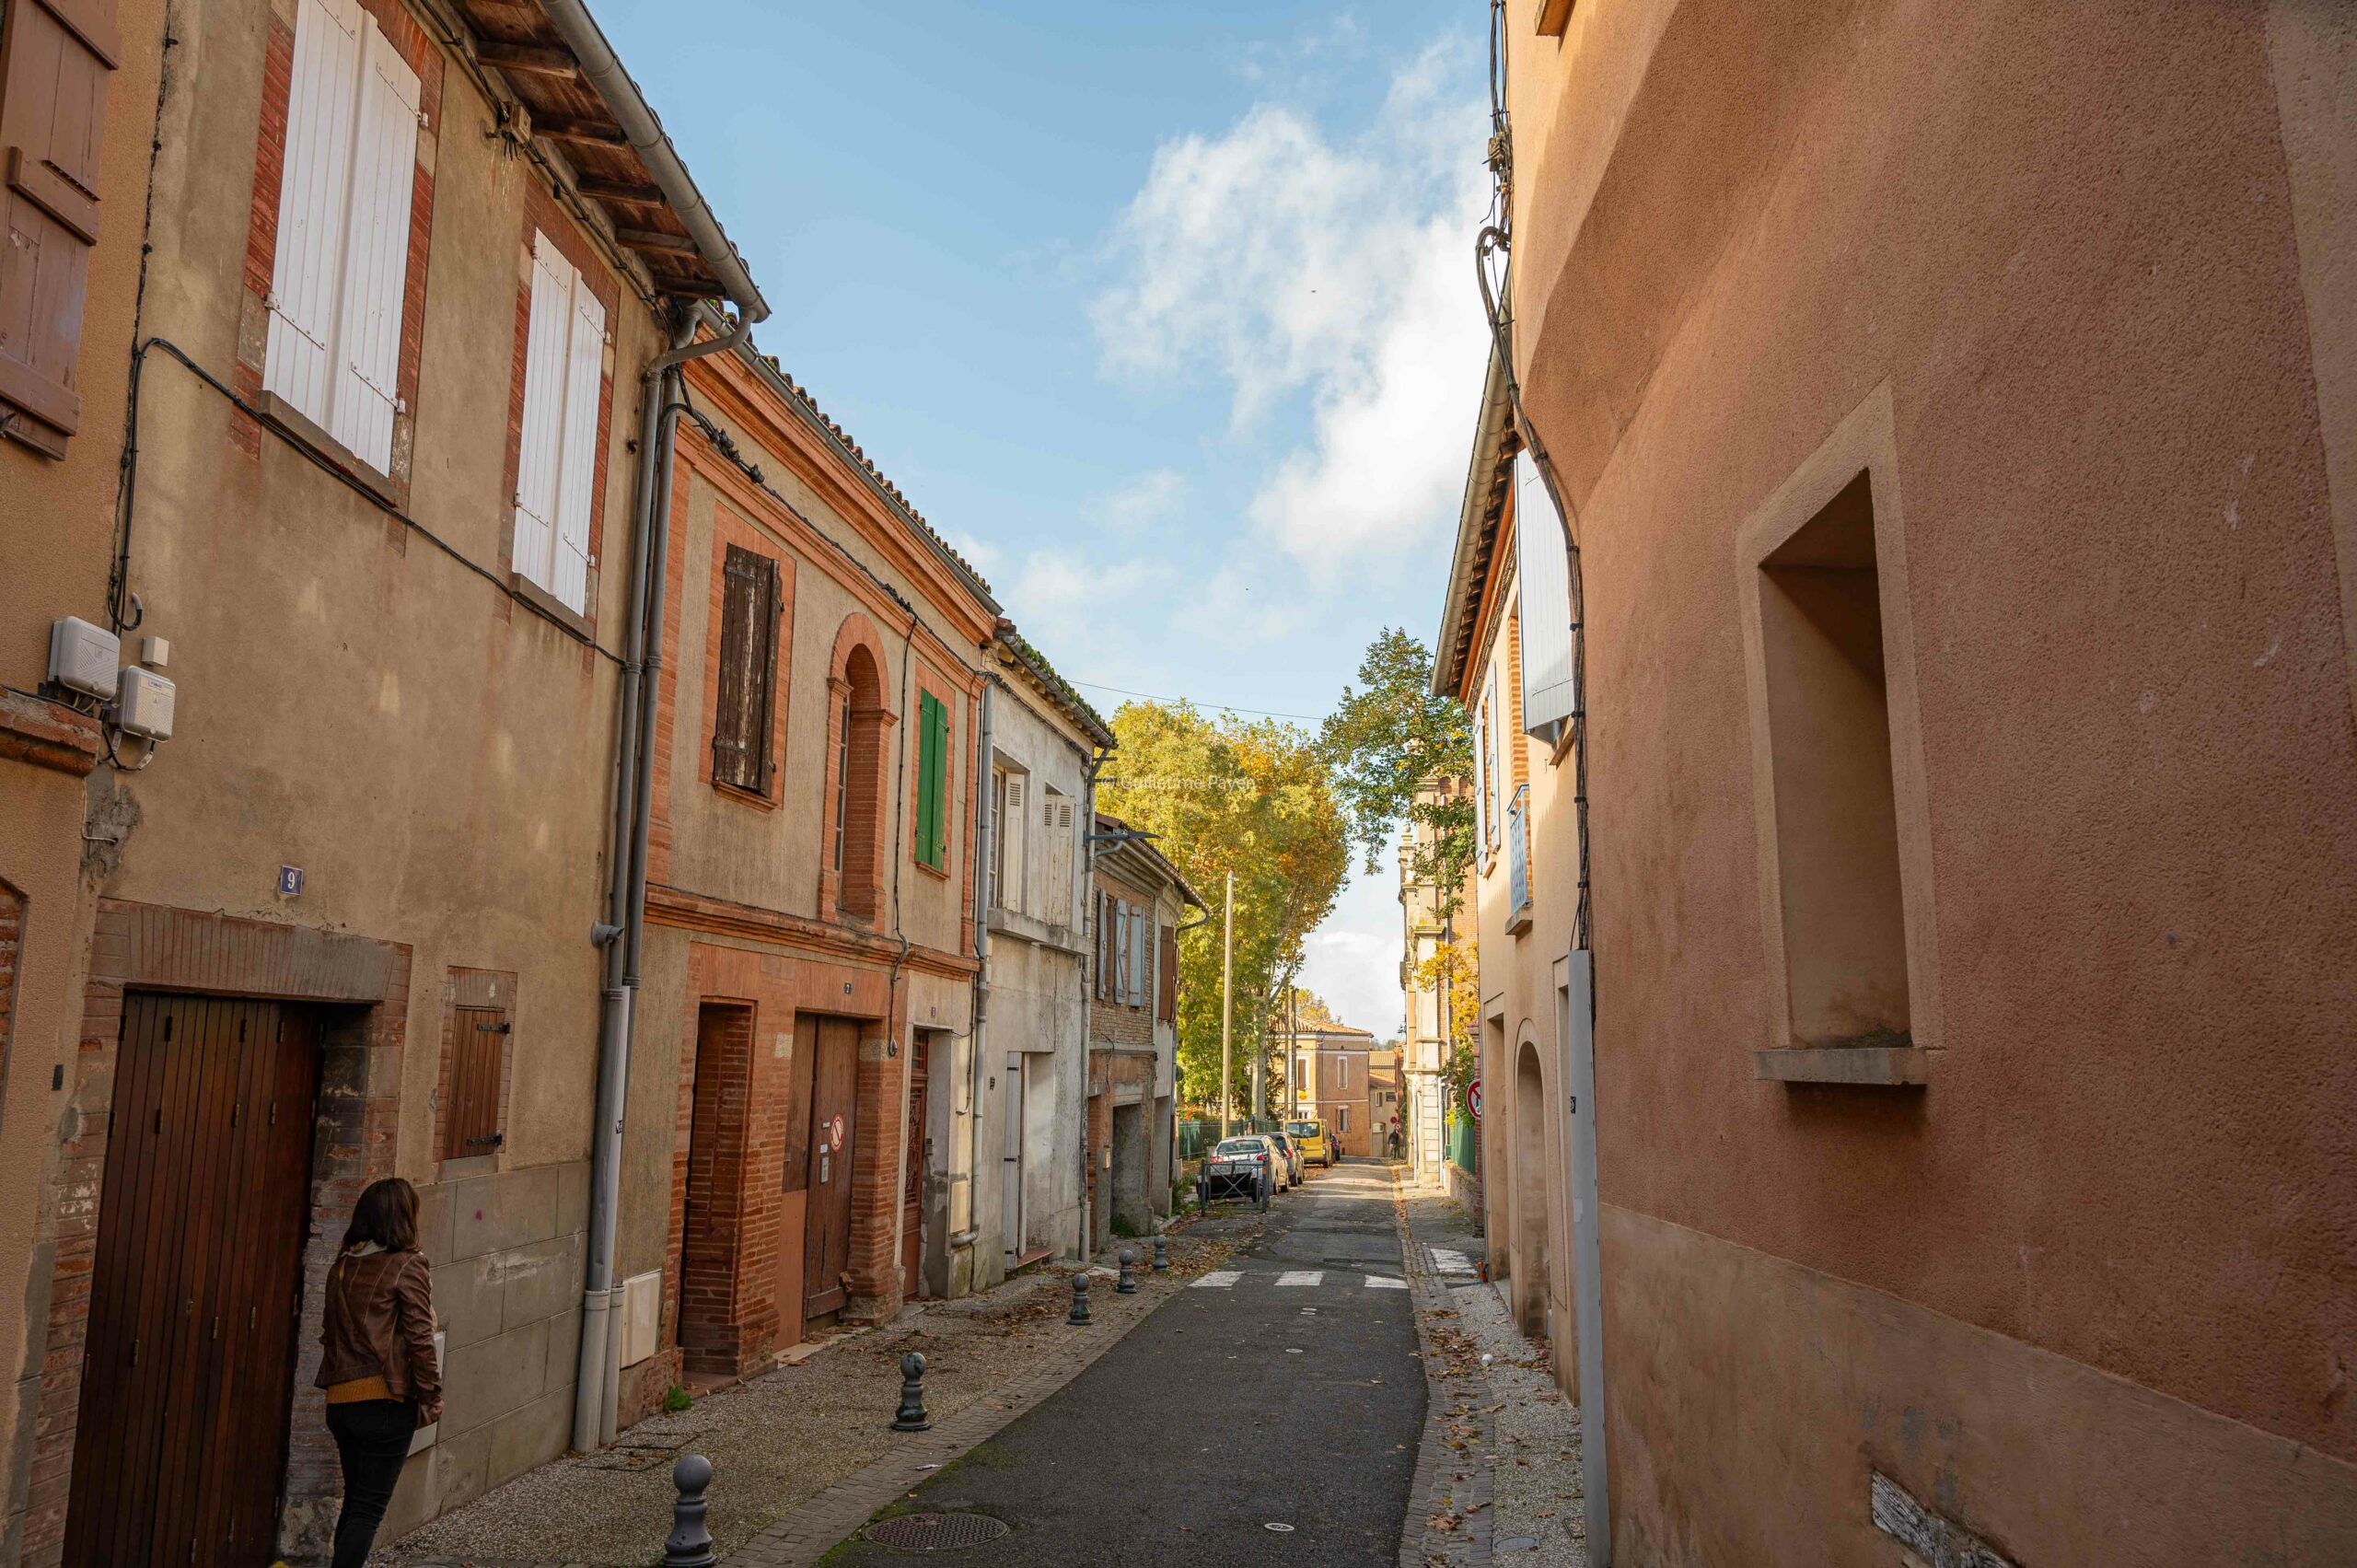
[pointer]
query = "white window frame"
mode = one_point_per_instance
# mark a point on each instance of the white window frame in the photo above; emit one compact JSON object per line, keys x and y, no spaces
{"x":340,"y":270}
{"x":556,"y":467}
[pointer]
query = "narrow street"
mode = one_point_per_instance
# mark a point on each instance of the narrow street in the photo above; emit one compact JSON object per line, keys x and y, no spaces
{"x":1284,"y":1389}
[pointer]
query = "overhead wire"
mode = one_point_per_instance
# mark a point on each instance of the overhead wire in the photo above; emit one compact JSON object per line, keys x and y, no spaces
{"x":1198,"y":702}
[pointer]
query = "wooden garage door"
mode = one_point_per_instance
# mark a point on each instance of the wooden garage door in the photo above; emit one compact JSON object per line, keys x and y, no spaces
{"x":195,"y":1295}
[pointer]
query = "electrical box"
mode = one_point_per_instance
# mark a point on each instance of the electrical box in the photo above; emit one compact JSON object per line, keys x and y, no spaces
{"x":84,"y":657}
{"x":145,"y":708}
{"x":642,"y":1299}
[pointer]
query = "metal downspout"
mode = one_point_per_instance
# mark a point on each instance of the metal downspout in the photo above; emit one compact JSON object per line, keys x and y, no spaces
{"x":595,"y":1380}
{"x":986,"y":838}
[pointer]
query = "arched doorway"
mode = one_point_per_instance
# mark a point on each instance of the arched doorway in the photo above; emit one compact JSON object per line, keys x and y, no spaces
{"x":1530,"y":1228}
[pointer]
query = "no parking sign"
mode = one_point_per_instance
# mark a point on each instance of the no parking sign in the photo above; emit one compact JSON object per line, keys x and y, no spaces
{"x":1473,"y":1098}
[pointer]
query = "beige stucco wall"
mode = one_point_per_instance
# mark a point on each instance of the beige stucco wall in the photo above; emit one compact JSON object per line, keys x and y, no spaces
{"x":2069,"y":246}
{"x":56,"y":527}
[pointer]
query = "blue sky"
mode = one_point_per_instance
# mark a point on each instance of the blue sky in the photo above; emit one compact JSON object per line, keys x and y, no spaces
{"x":1164,"y":314}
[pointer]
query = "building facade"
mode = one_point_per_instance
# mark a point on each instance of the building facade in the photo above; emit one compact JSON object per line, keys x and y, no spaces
{"x":1960,"y":457}
{"x":1027,"y":1086}
{"x":1386,"y":1117}
{"x":1429,"y":921}
{"x":1140,"y":905}
{"x":1329,"y":1075}
{"x":378,"y":607}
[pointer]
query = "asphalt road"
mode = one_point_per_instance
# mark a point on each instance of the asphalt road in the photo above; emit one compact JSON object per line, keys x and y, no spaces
{"x":1234,"y":1406}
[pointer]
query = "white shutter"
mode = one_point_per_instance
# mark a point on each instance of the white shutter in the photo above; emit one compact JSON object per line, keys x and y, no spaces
{"x":376,"y":255}
{"x":539,"y":467}
{"x":314,"y":186}
{"x":585,"y":372}
{"x":1014,"y":888}
{"x":1500,"y":769}
{"x":1543,"y":580}
{"x":1480,"y":774}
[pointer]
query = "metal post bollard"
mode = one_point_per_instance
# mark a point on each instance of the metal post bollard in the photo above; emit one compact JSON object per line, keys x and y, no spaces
{"x":690,"y":1544}
{"x":1161,"y":1253}
{"x":911,"y":1416}
{"x":1127,"y":1284}
{"x":1079,"y":1318}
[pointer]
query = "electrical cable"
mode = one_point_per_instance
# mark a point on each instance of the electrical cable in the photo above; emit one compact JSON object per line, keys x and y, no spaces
{"x":1200,"y":702}
{"x":319,"y":460}
{"x":1494,"y":239}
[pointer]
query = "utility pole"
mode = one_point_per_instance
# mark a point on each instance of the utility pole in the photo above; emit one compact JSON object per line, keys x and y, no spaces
{"x":1226,"y":1009}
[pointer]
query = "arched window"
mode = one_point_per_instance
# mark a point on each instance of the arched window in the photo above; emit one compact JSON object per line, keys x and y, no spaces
{"x":858,"y":829}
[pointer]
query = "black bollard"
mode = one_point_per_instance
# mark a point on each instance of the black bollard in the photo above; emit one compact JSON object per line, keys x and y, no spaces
{"x":1079,"y":1318}
{"x":1161,"y":1253}
{"x":690,"y":1544}
{"x":911,"y":1416}
{"x":1127,"y":1284}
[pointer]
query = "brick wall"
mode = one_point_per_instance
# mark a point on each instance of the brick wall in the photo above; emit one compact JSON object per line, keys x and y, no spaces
{"x":12,"y":944}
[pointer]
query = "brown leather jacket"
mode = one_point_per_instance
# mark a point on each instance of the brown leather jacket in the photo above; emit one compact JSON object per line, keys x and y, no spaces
{"x":379,"y":1320}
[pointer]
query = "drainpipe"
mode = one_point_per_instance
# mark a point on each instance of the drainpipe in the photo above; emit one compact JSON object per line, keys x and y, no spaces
{"x":985,"y":836}
{"x":597,"y":1379}
{"x":1088,"y":988}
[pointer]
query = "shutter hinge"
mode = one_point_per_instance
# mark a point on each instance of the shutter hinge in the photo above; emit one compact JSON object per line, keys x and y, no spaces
{"x":423,"y":122}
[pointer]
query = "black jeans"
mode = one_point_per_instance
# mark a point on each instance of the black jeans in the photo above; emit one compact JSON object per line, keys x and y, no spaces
{"x":372,"y":1438}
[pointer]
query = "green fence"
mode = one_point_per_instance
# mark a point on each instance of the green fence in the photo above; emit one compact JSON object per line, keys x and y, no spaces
{"x":1464,"y":1142}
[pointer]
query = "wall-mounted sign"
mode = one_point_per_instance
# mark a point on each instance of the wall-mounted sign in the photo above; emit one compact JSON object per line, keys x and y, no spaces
{"x":1473,"y":1098}
{"x":290,"y":880}
{"x":835,"y":1133}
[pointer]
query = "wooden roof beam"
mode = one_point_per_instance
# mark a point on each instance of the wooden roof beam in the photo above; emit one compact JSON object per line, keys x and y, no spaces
{"x":629,"y":192}
{"x":656,"y":241}
{"x":532,"y":59}
{"x":574,"y":128}
{"x":688,"y":288}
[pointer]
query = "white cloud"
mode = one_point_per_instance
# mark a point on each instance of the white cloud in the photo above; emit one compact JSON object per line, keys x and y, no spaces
{"x":1292,"y":263}
{"x":1073,"y":610}
{"x":1150,"y":499}
{"x":1353,"y":961}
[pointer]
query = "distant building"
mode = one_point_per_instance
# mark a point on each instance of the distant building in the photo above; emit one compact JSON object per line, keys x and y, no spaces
{"x":1328,"y":1073}
{"x":1426,"y":1045}
{"x":1385,"y":1113}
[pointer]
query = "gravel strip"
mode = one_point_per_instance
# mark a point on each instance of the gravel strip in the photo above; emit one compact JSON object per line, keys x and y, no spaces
{"x":786,"y":1435}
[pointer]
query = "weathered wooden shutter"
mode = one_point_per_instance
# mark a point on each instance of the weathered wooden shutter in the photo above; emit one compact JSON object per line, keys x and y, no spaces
{"x":478,"y":1046}
{"x":376,"y":255}
{"x":585,"y":371}
{"x":1104,"y":944}
{"x":1480,"y":774}
{"x":740,"y":723}
{"x":1167,"y":1009}
{"x":55,"y":61}
{"x":314,"y":192}
{"x":539,"y":460}
{"x":1014,"y":888}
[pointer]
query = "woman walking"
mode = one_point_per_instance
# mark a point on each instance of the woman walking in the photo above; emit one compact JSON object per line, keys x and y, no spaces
{"x":379,"y":1371}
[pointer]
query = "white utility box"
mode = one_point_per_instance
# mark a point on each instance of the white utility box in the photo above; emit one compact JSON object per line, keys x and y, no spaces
{"x":145,"y":707}
{"x":84,"y":657}
{"x":642,"y":1303}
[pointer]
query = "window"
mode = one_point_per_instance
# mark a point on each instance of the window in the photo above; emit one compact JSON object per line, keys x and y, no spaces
{"x":341,"y":267}
{"x":1342,"y":1119}
{"x":843,"y":777}
{"x":478,"y":1048}
{"x":1141,"y":955}
{"x":1543,"y":587}
{"x":933,"y":782}
{"x":1056,"y":842}
{"x":1341,"y":1071}
{"x":852,"y":882}
{"x":1167,"y":1003}
{"x":556,"y":470}
{"x":1011,"y":790}
{"x":1484,"y":835}
{"x":1836,"y":821}
{"x":52,"y":112}
{"x":744,"y":701}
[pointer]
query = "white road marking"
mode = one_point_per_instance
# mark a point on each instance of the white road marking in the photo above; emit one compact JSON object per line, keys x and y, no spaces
{"x":1301,"y":1277}
{"x":1385,"y":1282}
{"x":1219,"y":1279}
{"x":1449,"y":1260}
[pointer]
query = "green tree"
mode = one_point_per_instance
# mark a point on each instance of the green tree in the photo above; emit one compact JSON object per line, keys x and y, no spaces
{"x":1385,"y":741}
{"x":1225,"y":795}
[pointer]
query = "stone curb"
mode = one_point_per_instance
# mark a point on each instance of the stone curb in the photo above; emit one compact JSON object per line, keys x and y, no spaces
{"x":1446,"y":1480}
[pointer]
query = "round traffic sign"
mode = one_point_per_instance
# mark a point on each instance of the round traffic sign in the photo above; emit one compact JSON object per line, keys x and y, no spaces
{"x":1473,"y":1098}
{"x":835,"y":1133}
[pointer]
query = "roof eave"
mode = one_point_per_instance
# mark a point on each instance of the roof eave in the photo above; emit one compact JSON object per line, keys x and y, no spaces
{"x":1474,"y":518}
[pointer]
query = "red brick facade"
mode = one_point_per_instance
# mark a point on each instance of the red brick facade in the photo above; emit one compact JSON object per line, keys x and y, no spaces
{"x":143,"y":946}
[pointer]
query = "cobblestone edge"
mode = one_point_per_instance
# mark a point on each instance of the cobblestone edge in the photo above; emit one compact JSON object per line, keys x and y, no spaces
{"x":1438,"y":1487}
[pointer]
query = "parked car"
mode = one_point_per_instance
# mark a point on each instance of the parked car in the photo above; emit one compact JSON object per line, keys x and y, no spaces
{"x":1295,"y":1174}
{"x":1242,"y":1169}
{"x":1310,"y":1138}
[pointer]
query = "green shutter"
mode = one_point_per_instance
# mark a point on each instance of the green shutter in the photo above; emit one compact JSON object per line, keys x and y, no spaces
{"x":932,"y":783}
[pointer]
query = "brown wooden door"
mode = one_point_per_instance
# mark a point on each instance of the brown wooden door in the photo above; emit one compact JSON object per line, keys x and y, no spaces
{"x":913,"y":1191}
{"x":195,"y":1291}
{"x":834,"y":1134}
{"x":710,"y":1230}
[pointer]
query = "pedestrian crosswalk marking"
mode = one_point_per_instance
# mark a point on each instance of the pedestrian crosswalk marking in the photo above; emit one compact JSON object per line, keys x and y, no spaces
{"x":1385,"y":1282}
{"x":1449,"y":1260}
{"x":1219,"y":1279}
{"x":1301,"y":1277}
{"x":1227,"y":1279}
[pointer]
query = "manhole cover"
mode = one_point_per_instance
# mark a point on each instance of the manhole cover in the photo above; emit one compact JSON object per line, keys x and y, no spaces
{"x":935,"y":1532}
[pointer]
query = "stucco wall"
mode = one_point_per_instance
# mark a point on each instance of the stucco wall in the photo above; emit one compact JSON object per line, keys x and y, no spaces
{"x":2061,"y":242}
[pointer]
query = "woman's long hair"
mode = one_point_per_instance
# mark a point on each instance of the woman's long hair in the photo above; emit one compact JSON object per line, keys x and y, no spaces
{"x":386,"y":1214}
